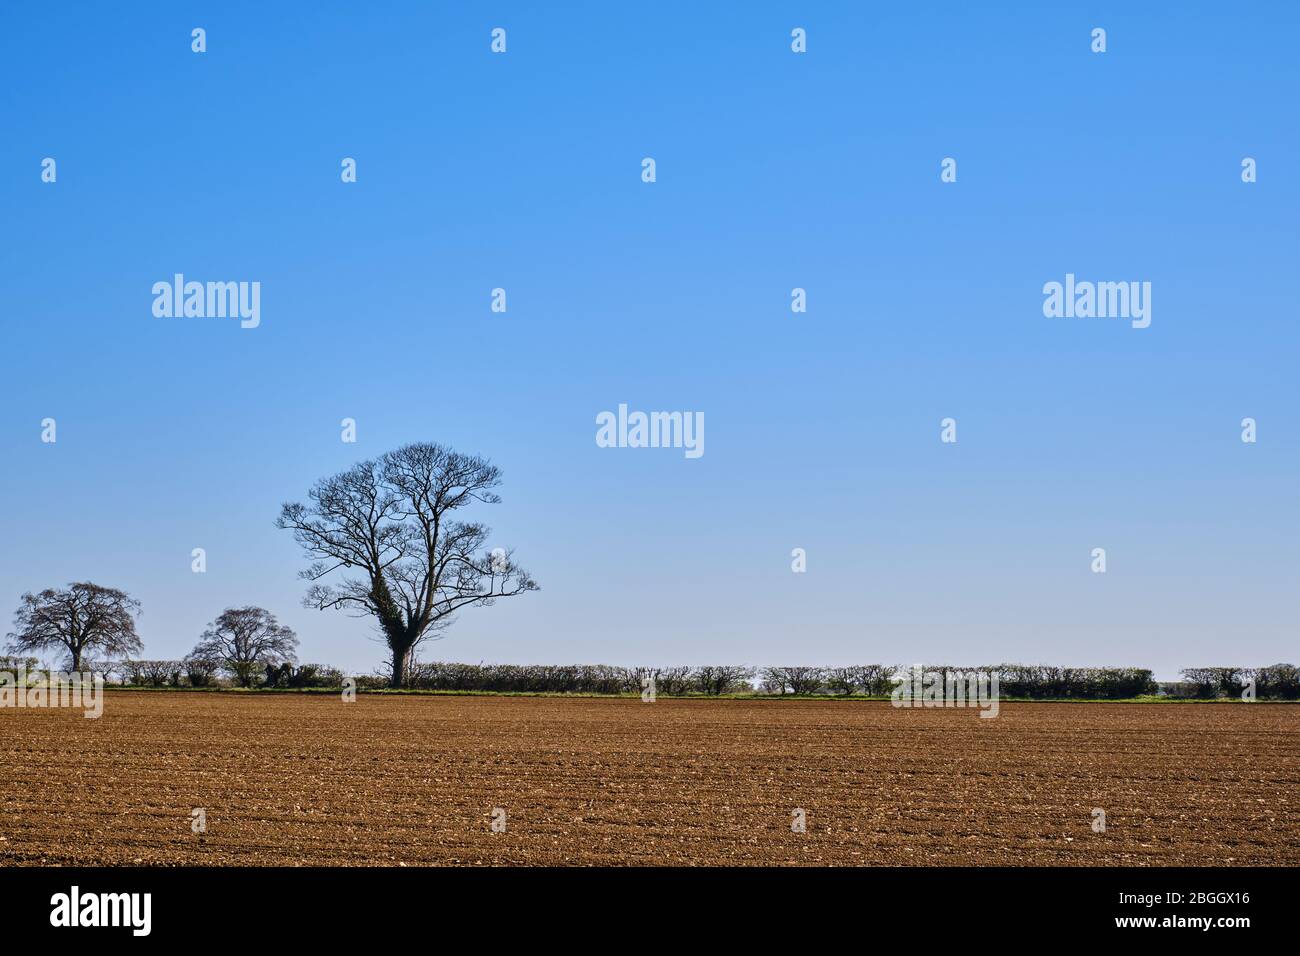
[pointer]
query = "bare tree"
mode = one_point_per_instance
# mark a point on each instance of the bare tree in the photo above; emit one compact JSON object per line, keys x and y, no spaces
{"x":201,"y":669}
{"x":877,"y":679}
{"x":720,"y":679}
{"x":800,"y":680}
{"x":391,"y":520}
{"x":673,"y":681}
{"x":79,"y":618}
{"x":844,"y":680}
{"x":245,"y":640}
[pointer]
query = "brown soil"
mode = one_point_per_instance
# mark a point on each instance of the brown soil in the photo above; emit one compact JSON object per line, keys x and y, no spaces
{"x":293,"y":779}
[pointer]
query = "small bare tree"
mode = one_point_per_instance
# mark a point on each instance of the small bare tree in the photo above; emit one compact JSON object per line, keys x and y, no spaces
{"x":79,"y":618}
{"x":391,"y":520}
{"x":673,"y":681}
{"x":844,"y":680}
{"x":200,"y":669}
{"x":720,"y":679}
{"x":800,"y":680}
{"x":245,"y":640}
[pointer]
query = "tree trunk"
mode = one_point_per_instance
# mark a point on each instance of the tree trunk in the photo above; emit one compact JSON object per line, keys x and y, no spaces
{"x":401,"y":659}
{"x":76,"y":660}
{"x":395,"y":627}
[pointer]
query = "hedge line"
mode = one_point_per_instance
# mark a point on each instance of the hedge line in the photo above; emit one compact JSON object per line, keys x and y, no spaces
{"x":1276,"y":682}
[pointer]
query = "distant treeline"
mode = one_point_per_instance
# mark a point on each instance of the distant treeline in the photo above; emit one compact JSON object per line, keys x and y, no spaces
{"x":1038,"y":681}
{"x":192,"y":672}
{"x":1275,"y":682}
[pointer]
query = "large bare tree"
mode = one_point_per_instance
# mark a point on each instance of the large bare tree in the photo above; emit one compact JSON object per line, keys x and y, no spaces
{"x":80,"y":618}
{"x":391,"y":520}
{"x":244,"y":640}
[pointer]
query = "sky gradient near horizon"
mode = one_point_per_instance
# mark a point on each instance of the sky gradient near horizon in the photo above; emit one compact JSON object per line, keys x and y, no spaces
{"x":775,"y":170}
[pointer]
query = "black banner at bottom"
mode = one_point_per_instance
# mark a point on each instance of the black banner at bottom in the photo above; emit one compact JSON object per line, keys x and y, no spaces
{"x":305,"y":905}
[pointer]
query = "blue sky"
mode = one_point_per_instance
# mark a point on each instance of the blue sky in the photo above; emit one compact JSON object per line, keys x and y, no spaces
{"x":774,"y":170}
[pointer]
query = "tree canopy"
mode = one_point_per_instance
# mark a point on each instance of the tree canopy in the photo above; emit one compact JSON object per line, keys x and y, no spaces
{"x":386,"y":530}
{"x":79,"y":619}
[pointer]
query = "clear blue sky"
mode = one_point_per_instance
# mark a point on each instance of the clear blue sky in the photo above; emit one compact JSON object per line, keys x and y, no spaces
{"x":775,"y":170}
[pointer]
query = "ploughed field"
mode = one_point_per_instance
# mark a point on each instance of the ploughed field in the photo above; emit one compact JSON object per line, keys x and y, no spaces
{"x":289,"y":779}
